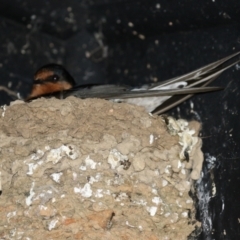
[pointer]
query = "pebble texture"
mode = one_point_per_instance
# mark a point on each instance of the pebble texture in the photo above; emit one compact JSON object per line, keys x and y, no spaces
{"x":93,"y":169}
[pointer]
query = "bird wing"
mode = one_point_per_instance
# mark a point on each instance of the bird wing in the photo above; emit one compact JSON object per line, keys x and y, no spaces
{"x":177,"y":89}
{"x":114,"y":91}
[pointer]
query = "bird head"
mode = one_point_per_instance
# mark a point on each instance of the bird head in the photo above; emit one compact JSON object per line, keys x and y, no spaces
{"x":50,"y":79}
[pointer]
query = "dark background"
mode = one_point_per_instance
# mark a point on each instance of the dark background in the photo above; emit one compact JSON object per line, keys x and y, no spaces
{"x":135,"y":42}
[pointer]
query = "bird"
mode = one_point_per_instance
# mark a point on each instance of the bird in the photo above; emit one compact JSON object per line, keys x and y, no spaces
{"x":54,"y":80}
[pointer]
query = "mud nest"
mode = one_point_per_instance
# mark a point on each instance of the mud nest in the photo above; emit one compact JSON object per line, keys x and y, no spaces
{"x":93,"y":169}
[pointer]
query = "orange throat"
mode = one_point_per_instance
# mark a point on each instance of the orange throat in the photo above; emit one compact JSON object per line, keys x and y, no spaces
{"x":39,"y":90}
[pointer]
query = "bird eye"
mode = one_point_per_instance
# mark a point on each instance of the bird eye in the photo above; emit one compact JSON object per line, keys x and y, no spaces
{"x":55,"y":78}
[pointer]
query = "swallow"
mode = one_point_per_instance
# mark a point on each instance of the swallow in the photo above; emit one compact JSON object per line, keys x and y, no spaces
{"x":55,"y":80}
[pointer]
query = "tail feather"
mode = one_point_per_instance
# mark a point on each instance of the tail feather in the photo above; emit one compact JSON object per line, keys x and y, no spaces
{"x":205,"y":73}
